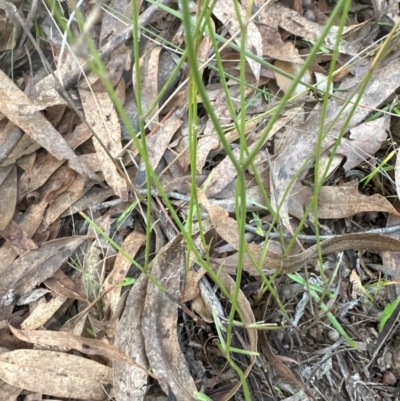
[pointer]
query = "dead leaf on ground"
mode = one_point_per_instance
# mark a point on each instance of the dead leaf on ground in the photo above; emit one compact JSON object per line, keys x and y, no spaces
{"x":363,"y":142}
{"x":133,"y":242}
{"x":338,"y":202}
{"x":129,"y":381}
{"x":55,"y":373}
{"x":225,"y":11}
{"x":159,"y":323}
{"x":42,"y":312}
{"x":297,"y":147}
{"x":21,"y":111}
{"x":274,"y":261}
{"x":37,"y":265}
{"x":8,"y":198}
{"x":101,"y":115}
{"x":156,"y":144}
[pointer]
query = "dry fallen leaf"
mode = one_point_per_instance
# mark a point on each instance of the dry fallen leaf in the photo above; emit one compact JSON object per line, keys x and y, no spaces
{"x":20,"y":110}
{"x":100,"y":113}
{"x":363,"y":142}
{"x":290,"y":264}
{"x":296,"y":149}
{"x":129,"y":381}
{"x":157,"y":143}
{"x":225,"y":11}
{"x":8,"y":198}
{"x":133,"y":242}
{"x":338,"y":202}
{"x":159,"y":323}
{"x":292,"y":69}
{"x":55,"y":373}
{"x":37,"y":265}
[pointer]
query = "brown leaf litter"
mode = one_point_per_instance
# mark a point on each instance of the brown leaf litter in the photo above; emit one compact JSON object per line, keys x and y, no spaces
{"x":146,"y":314}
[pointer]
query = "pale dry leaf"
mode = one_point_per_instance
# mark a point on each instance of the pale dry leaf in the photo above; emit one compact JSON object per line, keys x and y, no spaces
{"x":225,"y":11}
{"x":62,"y":285}
{"x":27,"y":162}
{"x":33,"y":298}
{"x":149,"y":83}
{"x":191,"y":290}
{"x":18,"y":238}
{"x":132,"y":244}
{"x":248,"y":320}
{"x":130,"y":381}
{"x":90,"y":197}
{"x":298,"y":25}
{"x":296,"y":149}
{"x":30,"y":221}
{"x":46,"y":165}
{"x":210,"y":140}
{"x":363,"y":142}
{"x":88,"y":346}
{"x":159,"y":325}
{"x":100,"y":113}
{"x":114,"y":70}
{"x":293,"y":69}
{"x":25,"y":146}
{"x":339,"y":202}
{"x":225,"y":172}
{"x":4,"y":171}
{"x":43,"y":313}
{"x":327,"y":165}
{"x":37,"y":265}
{"x":113,"y":22}
{"x":8,"y":198}
{"x":389,"y":8}
{"x":9,"y":392}
{"x":391,"y":260}
{"x":200,"y":307}
{"x":156,"y":144}
{"x":20,"y":110}
{"x":55,"y":373}
{"x":273,"y":45}
{"x":397,"y":174}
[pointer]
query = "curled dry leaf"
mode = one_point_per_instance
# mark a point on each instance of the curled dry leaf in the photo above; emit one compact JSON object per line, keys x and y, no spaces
{"x":291,"y":264}
{"x":55,"y":373}
{"x":160,"y":323}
